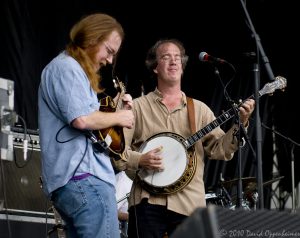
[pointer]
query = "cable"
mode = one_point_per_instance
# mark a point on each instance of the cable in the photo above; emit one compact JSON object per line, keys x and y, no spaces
{"x":134,"y":206}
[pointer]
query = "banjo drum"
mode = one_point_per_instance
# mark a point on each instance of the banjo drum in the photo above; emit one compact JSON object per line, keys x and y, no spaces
{"x":178,"y":160}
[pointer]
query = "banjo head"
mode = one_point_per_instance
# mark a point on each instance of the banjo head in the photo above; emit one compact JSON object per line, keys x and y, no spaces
{"x":176,"y":164}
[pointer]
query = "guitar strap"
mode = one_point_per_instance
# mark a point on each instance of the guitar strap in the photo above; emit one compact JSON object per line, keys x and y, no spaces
{"x":191,"y":114}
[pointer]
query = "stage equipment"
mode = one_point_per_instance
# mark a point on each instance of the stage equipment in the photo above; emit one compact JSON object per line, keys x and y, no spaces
{"x":7,"y":118}
{"x":250,"y":194}
{"x":256,"y":70}
{"x":218,"y":222}
{"x":292,"y":145}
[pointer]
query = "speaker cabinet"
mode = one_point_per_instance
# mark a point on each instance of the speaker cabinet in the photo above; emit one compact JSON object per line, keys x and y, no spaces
{"x":259,"y":223}
{"x":215,"y":221}
{"x":21,"y":181}
{"x":201,"y":224}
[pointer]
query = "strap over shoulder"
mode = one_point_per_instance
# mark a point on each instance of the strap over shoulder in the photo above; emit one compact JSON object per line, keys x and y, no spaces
{"x":191,"y":114}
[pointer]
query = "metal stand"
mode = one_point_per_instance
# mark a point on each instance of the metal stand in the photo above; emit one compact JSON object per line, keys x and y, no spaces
{"x":241,"y":133}
{"x":123,"y":198}
{"x":293,"y":143}
{"x":258,"y":139}
{"x":258,"y":121}
{"x":293,"y":179}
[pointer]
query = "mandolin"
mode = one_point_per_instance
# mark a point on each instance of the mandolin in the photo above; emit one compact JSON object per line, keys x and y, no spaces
{"x":112,"y":136}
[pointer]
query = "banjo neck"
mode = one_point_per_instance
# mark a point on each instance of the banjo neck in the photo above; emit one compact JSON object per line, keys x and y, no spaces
{"x":190,"y":141}
{"x":269,"y":88}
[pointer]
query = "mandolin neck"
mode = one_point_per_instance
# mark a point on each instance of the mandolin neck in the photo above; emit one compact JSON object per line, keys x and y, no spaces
{"x":118,"y":102}
{"x":121,"y":92}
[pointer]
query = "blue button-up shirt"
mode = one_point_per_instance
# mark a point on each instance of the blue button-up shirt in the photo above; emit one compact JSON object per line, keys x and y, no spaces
{"x":65,"y":94}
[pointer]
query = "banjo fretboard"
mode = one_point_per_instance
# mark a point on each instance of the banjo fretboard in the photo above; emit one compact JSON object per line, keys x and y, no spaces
{"x":269,"y":88}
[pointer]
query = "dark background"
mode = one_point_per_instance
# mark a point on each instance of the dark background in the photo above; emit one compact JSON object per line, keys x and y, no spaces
{"x":33,"y":32}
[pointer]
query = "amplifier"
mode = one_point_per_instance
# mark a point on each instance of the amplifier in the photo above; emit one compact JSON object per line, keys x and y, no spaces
{"x":32,"y":137}
{"x":22,"y":178}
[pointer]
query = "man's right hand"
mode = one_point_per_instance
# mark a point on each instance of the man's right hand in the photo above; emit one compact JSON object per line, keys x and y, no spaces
{"x":126,"y":118}
{"x":152,"y":159}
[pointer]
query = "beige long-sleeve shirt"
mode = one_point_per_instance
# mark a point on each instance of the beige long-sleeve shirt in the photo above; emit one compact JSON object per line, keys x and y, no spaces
{"x":152,"y":117}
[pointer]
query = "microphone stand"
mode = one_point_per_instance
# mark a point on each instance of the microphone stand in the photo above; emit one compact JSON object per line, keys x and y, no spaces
{"x":258,"y":121}
{"x":241,"y":133}
{"x":258,"y":138}
{"x":258,"y":44}
{"x":240,"y":184}
{"x":293,"y":143}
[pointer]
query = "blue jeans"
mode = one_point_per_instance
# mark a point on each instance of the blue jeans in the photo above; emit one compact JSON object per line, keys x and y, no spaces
{"x":88,"y":207}
{"x":152,"y":221}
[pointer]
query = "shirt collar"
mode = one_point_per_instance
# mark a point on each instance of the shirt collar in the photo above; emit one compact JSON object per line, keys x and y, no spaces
{"x":158,"y":96}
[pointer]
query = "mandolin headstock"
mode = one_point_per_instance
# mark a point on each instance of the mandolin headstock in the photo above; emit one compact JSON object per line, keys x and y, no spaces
{"x":119,"y":86}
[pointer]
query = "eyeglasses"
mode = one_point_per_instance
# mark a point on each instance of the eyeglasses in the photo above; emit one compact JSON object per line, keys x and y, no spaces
{"x":169,"y":58}
{"x":109,"y":50}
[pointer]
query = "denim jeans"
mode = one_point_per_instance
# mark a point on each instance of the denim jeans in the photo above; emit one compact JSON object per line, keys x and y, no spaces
{"x":152,"y":221}
{"x":88,"y":207}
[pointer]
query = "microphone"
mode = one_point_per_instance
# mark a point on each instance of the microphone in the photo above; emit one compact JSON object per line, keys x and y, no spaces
{"x":203,"y":56}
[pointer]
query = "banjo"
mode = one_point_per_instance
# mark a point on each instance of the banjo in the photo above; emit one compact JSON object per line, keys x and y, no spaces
{"x":179,"y":153}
